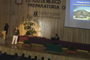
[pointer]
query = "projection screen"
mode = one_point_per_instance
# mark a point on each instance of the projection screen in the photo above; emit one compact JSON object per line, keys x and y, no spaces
{"x":77,"y":14}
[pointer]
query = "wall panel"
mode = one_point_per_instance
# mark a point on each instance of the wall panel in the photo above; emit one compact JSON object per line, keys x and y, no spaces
{"x":13,"y":14}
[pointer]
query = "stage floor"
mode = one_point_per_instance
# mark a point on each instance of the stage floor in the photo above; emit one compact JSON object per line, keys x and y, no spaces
{"x":39,"y":48}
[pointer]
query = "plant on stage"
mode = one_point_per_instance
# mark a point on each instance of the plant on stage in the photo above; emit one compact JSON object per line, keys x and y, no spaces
{"x":44,"y":44}
{"x":71,"y":49}
{"x":27,"y":41}
{"x":28,"y":26}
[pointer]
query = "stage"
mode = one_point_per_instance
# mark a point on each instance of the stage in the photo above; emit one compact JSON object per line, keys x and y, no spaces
{"x":37,"y":50}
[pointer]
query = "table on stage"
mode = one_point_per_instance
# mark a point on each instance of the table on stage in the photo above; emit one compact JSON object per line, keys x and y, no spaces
{"x":35,"y":39}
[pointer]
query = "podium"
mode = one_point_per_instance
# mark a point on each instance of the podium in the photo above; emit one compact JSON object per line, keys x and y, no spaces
{"x":54,"y":48}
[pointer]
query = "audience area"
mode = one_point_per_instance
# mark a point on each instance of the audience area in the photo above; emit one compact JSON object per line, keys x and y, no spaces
{"x":5,"y":56}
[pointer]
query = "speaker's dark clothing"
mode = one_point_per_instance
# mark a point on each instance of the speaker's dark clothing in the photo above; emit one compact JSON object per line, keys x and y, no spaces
{"x":56,"y":38}
{"x":16,"y":32}
{"x":6,"y":28}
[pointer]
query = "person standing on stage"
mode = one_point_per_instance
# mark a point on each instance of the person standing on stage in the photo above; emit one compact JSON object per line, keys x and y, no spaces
{"x":15,"y":35}
{"x":6,"y":29}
